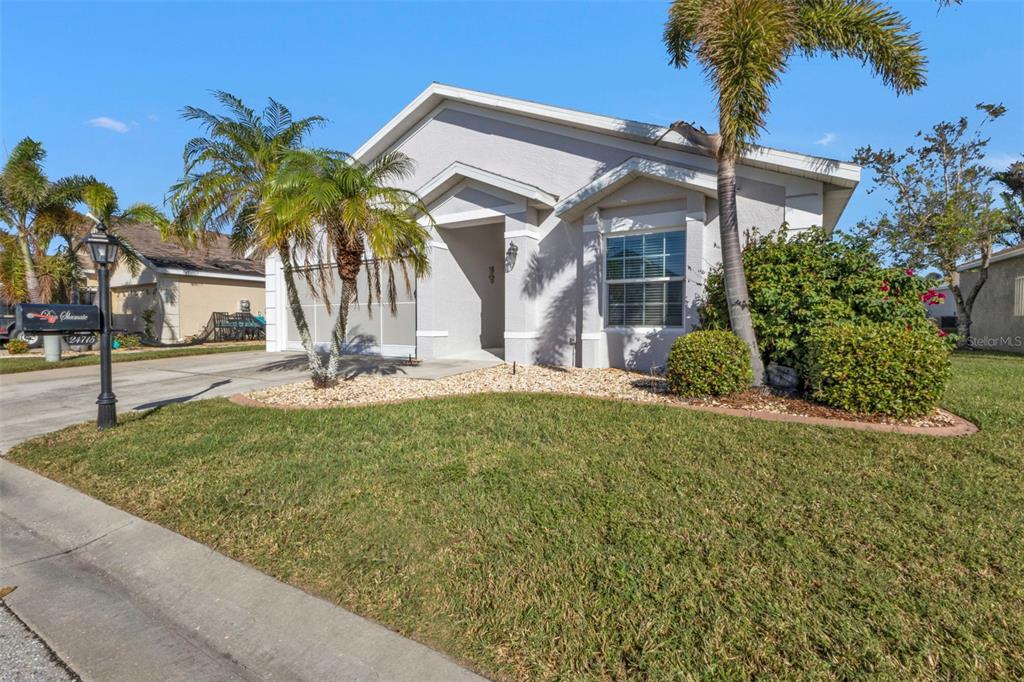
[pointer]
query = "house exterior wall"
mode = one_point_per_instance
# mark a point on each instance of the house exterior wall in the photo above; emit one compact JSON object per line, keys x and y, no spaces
{"x":372,"y":328}
{"x":552,"y":268}
{"x":995,"y":324}
{"x":200,"y":297}
{"x":130,"y":302}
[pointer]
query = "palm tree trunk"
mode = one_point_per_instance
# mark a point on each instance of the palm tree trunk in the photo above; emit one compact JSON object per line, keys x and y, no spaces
{"x":321,"y":377}
{"x":732,"y":263}
{"x":338,"y":334}
{"x":31,"y":278}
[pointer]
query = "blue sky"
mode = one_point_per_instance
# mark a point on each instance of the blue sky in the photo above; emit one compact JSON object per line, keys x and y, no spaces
{"x":101,"y":84}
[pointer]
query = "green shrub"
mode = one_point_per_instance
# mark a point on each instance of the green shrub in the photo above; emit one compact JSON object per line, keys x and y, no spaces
{"x":17,"y":346}
{"x":878,"y":368}
{"x":804,"y":282}
{"x":128,"y":340}
{"x":709,"y":362}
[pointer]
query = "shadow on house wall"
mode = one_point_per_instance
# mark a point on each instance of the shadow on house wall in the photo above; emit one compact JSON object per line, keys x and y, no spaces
{"x":134,"y":302}
{"x":563,"y":251}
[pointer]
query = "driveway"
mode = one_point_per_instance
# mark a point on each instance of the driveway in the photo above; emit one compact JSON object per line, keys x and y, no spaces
{"x":34,"y":403}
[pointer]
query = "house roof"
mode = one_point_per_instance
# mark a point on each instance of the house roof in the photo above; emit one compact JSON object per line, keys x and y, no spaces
{"x":215,"y":257}
{"x":839,"y":173}
{"x":1005,"y":254}
{"x":458,"y":171}
{"x":628,"y":171}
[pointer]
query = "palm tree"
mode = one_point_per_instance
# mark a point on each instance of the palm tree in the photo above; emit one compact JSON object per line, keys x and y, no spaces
{"x":227,"y":180}
{"x":744,"y":47}
{"x":101,"y":199}
{"x":32,"y":206}
{"x":359,"y":213}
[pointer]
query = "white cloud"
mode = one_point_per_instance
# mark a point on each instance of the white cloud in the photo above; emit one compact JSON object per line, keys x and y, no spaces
{"x":1000,"y":161}
{"x":153,"y":117}
{"x":826,"y":139}
{"x":109,"y":124}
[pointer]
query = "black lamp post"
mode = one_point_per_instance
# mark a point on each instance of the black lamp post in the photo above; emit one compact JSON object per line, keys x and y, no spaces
{"x":103,"y":248}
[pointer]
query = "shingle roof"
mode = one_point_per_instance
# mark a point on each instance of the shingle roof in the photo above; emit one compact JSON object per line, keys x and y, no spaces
{"x":216,"y":256}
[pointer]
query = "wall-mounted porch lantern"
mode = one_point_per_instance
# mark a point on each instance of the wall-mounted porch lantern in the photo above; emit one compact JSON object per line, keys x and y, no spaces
{"x":510,"y":257}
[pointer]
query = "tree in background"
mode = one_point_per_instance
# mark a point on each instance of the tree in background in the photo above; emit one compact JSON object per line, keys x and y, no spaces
{"x":1012,"y":180}
{"x":363,"y":218}
{"x":228,"y":180}
{"x":744,"y":47}
{"x":940,"y":206}
{"x":35,"y":209}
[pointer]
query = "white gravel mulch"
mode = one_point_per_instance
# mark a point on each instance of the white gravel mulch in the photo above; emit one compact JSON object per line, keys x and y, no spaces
{"x":614,"y":384}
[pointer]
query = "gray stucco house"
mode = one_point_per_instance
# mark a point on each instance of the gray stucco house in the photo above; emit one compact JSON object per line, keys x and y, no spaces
{"x":562,"y":237}
{"x":997,"y":319}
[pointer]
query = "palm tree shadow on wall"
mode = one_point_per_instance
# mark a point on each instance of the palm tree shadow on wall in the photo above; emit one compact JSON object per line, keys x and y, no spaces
{"x":561,"y":329}
{"x":140,"y":300}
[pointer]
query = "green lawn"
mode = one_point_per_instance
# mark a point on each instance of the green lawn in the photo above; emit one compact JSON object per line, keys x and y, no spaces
{"x":16,"y":365}
{"x":550,"y":537}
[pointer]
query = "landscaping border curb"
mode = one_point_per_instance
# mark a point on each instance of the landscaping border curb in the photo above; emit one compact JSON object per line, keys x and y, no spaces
{"x":960,"y":426}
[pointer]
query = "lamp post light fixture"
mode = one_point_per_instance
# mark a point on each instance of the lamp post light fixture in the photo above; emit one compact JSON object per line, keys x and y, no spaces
{"x":103,"y":248}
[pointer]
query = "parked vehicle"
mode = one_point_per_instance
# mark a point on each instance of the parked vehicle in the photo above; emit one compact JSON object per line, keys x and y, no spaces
{"x":8,"y":329}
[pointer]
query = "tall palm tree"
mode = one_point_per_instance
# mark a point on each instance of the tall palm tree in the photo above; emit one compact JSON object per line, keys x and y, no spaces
{"x":227,"y":179}
{"x":363,"y":219}
{"x":31,"y":205}
{"x":744,"y":47}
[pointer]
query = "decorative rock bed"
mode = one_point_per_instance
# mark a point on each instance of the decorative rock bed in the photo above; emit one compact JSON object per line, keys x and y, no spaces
{"x":611,"y":384}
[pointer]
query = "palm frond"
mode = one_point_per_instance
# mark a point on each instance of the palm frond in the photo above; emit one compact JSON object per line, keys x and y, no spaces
{"x":871,"y":32}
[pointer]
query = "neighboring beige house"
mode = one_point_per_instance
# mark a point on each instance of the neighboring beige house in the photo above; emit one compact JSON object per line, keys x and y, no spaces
{"x":997,"y":320}
{"x":182,"y":286}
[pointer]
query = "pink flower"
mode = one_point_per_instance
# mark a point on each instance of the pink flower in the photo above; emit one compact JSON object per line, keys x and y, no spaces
{"x":885,"y":286}
{"x":943,"y":333}
{"x":909,"y":272}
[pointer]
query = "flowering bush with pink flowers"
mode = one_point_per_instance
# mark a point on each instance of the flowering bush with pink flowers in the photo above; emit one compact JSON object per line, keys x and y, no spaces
{"x":805,"y":282}
{"x":933,"y":297}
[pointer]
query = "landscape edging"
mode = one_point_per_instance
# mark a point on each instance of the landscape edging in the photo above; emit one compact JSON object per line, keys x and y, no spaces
{"x":960,"y":427}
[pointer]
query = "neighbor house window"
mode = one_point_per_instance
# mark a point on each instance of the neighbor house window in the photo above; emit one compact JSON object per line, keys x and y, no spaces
{"x":1018,"y":297}
{"x":645,"y":275}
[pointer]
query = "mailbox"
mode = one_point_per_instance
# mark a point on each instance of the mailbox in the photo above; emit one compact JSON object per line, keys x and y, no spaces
{"x":43,"y":318}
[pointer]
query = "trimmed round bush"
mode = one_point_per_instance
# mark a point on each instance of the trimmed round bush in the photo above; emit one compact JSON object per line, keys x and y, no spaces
{"x":17,"y":346}
{"x":878,"y":368}
{"x":709,"y":362}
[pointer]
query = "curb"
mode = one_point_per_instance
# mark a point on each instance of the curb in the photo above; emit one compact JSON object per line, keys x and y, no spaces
{"x":119,"y":598}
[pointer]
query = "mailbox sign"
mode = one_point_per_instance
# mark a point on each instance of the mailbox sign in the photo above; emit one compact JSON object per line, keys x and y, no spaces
{"x":40,"y":318}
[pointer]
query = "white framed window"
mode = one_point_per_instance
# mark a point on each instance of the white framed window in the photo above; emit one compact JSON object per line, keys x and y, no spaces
{"x":1018,"y":297}
{"x":645,"y":278}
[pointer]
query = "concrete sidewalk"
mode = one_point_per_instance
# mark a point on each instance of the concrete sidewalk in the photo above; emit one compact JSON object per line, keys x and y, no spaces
{"x":119,"y":598}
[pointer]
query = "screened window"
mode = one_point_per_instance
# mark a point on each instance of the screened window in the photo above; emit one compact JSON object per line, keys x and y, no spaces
{"x":645,"y":275}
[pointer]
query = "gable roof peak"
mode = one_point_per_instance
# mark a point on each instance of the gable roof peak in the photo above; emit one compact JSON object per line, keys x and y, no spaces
{"x":840,"y":173}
